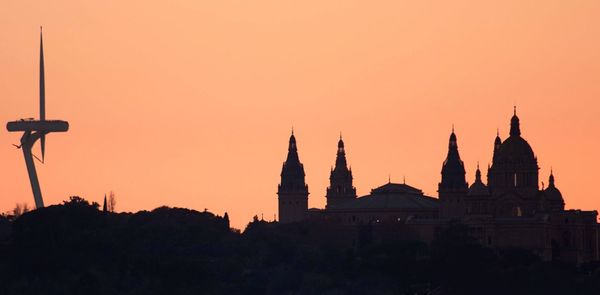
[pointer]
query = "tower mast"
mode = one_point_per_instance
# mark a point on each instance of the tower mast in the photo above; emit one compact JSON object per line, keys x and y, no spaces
{"x":34,"y":130}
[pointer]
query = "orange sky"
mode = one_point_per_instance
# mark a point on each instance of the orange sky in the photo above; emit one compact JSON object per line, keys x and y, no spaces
{"x":190,"y":103}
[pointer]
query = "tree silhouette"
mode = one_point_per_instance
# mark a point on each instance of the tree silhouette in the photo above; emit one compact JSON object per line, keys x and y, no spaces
{"x":112,"y":202}
{"x":20,"y":209}
{"x":75,"y":248}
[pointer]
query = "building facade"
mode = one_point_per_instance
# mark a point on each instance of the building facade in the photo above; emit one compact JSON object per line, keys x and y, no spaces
{"x":509,"y":211}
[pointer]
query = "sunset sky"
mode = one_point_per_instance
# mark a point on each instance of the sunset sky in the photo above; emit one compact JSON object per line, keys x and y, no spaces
{"x":191,"y":103}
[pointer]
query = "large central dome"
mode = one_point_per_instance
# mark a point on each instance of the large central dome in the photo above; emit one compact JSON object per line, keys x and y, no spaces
{"x":514,"y":164}
{"x":515,"y":151}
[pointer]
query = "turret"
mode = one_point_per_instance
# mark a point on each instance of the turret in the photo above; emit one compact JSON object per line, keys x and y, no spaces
{"x":453,"y":187}
{"x":478,"y":188}
{"x":515,"y":129}
{"x":497,"y":143}
{"x":340,"y":188}
{"x":453,"y":169}
{"x":292,"y":191}
{"x":553,"y":199}
{"x":477,"y":200}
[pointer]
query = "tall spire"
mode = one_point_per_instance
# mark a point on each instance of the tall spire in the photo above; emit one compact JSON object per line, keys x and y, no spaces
{"x":452,"y":142}
{"x":341,"y":165}
{"x":514,"y":124}
{"x":292,"y":173}
{"x":340,"y":161}
{"x":42,"y":93}
{"x":42,"y":82}
{"x":551,"y":178}
{"x":292,"y":191}
{"x":340,"y":180}
{"x":292,"y":149}
{"x":453,"y":170}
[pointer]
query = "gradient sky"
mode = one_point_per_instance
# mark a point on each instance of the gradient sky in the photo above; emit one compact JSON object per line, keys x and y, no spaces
{"x":190,"y":103}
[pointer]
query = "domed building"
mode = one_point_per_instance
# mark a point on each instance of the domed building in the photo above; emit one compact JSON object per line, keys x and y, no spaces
{"x":477,"y":199}
{"x":512,"y":211}
{"x":513,"y":176}
{"x":552,"y":199}
{"x":509,"y":211}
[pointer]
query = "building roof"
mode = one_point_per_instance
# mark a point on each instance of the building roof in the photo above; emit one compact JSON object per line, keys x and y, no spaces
{"x":392,"y":196}
{"x":515,"y":151}
{"x":391,"y":187}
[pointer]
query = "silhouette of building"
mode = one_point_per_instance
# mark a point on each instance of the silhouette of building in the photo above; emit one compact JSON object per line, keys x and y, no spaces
{"x":340,"y":188}
{"x":510,"y":211}
{"x":453,"y":186}
{"x":292,"y":191}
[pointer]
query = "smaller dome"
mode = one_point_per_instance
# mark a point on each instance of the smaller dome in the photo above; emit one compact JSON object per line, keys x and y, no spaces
{"x":551,"y":192}
{"x":478,"y":188}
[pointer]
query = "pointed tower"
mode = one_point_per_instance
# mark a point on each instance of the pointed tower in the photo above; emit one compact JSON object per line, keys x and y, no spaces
{"x":453,"y":186}
{"x":292,"y":191}
{"x":340,"y":188}
{"x":497,"y":144}
{"x":104,"y":208}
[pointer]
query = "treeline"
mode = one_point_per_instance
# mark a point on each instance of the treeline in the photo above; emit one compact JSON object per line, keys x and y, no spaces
{"x":75,"y":248}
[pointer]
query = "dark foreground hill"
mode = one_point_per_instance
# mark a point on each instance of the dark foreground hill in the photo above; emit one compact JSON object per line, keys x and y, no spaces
{"x":74,"y":248}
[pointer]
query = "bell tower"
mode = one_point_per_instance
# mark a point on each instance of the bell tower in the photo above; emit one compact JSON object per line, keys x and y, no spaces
{"x":292,"y":191}
{"x":340,"y":187}
{"x":453,"y":187}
